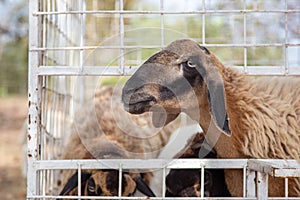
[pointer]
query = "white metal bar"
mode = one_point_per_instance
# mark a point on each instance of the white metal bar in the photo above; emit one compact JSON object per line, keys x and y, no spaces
{"x":82,"y":33}
{"x":129,"y":70}
{"x":262,"y":185}
{"x":78,"y":48}
{"x":251,"y":189}
{"x":33,"y":100}
{"x":162,"y":25}
{"x":244,"y":181}
{"x":152,"y":198}
{"x":286,"y":55}
{"x":203,"y":22}
{"x":286,"y":187}
{"x":202,"y":182}
{"x":120,"y":180}
{"x":163,"y":12}
{"x":276,"y":168}
{"x":80,"y":80}
{"x":245,"y":37}
{"x":122,"y":54}
{"x":164,"y":183}
{"x":286,"y":172}
{"x":142,"y":164}
{"x":79,"y":180}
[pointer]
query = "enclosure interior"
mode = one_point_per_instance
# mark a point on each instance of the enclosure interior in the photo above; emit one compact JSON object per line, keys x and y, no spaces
{"x":77,"y":46}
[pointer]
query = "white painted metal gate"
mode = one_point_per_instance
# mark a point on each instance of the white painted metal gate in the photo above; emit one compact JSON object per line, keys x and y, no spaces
{"x":66,"y":38}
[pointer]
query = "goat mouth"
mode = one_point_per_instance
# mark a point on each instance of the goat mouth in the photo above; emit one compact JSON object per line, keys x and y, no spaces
{"x":138,"y":106}
{"x":191,"y":191}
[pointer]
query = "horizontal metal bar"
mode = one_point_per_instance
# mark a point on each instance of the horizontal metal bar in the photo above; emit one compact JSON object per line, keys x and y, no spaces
{"x":84,"y":71}
{"x":148,"y":198}
{"x":158,"y":46}
{"x":129,"y":70}
{"x":283,"y":198}
{"x":107,"y":12}
{"x":94,"y":47}
{"x":142,"y":164}
{"x":276,"y":168}
{"x":158,"y":198}
{"x":286,"y":172}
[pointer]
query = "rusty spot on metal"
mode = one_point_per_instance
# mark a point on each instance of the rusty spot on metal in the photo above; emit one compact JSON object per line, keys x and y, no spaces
{"x":30,"y":155}
{"x":29,"y":119}
{"x":29,"y":137}
{"x":29,"y":103}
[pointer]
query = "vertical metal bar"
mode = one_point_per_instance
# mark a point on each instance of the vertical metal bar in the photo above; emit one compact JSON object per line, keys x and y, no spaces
{"x":33,"y":99}
{"x":81,"y":80}
{"x":286,"y":54}
{"x":79,"y":180}
{"x":82,"y":32}
{"x":122,"y":59}
{"x":44,"y":30}
{"x":44,"y":118}
{"x":120,"y":180}
{"x":251,"y":189}
{"x":286,"y":187}
{"x":245,"y":37}
{"x":262,"y":186}
{"x":202,"y":182}
{"x":162,"y":24}
{"x":203,"y":22}
{"x":51,"y":119}
{"x":244,"y":180}
{"x":43,"y":181}
{"x":164,"y":183}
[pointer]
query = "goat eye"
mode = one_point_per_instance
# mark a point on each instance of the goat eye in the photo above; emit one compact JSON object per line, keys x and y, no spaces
{"x":91,"y":185}
{"x":190,"y":64}
{"x":91,"y":188}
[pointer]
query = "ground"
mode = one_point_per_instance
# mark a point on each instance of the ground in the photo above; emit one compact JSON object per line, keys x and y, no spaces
{"x":13,"y":112}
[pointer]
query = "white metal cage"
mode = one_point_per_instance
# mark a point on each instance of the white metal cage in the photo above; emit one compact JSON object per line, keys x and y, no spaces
{"x":74,"y":42}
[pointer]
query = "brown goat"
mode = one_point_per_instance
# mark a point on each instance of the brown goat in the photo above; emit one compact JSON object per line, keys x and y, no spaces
{"x":104,"y":130}
{"x":262,"y":116}
{"x":186,"y":182}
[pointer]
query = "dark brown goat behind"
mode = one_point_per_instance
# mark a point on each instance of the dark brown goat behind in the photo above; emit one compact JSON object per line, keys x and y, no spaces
{"x":187,"y":182}
{"x":104,"y":130}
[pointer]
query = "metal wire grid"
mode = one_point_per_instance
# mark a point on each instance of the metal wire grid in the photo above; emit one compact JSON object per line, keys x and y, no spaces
{"x":58,"y":16}
{"x":56,"y":49}
{"x":255,"y":174}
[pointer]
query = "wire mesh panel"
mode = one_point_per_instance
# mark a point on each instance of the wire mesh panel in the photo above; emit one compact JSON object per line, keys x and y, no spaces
{"x":77,"y":45}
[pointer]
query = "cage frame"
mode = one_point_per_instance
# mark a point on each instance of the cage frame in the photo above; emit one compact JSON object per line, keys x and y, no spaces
{"x":254,"y":169}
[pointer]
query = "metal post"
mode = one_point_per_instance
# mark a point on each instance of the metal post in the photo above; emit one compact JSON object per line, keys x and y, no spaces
{"x":34,"y":91}
{"x":262,"y":185}
{"x":250,"y":183}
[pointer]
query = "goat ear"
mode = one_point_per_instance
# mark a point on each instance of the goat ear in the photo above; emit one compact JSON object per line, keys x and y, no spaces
{"x":143,"y":187}
{"x":73,"y":182}
{"x":216,"y":100}
{"x":160,"y":119}
{"x":215,"y":93}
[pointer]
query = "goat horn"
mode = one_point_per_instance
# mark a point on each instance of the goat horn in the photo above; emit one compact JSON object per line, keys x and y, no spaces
{"x":73,"y":182}
{"x":143,"y":187}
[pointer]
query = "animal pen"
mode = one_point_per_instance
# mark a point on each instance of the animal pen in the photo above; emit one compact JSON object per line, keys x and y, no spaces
{"x":77,"y":45}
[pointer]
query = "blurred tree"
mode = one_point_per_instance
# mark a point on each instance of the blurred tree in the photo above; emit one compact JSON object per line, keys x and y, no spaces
{"x":13,"y":64}
{"x":13,"y":47}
